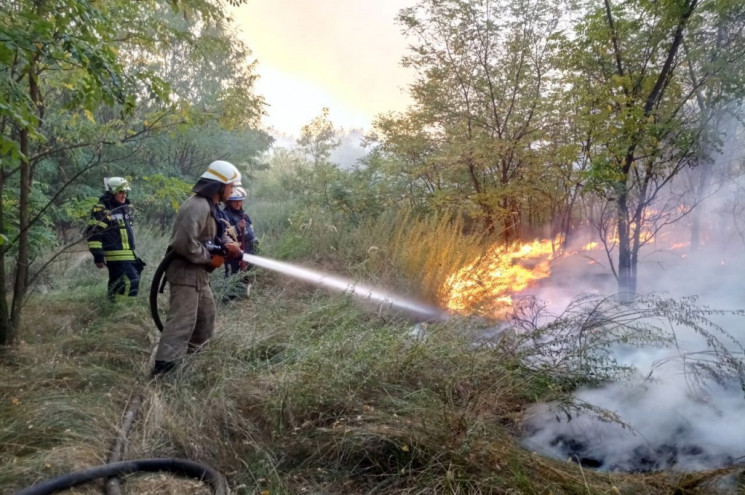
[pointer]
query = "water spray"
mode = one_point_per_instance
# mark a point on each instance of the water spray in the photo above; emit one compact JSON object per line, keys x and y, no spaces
{"x":421,"y":311}
{"x":348,"y":286}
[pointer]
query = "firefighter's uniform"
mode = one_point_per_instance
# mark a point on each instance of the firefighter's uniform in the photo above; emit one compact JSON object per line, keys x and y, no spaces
{"x":191,"y":316}
{"x":248,"y":241}
{"x":111,"y":241}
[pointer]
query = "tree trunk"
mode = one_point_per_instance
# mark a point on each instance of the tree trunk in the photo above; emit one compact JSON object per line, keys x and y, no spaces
{"x":6,"y":329}
{"x":21,"y":279}
{"x":20,"y":285}
{"x":626,"y":279}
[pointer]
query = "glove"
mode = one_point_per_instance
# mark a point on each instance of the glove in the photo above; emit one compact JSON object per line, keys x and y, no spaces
{"x":217,"y":261}
{"x":233,"y":250}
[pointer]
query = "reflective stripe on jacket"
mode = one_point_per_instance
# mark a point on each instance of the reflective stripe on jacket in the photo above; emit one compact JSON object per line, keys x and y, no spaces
{"x":109,"y":231}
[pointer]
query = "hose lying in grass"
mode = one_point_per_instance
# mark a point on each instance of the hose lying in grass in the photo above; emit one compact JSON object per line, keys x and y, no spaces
{"x":118,"y":449}
{"x":176,"y":466}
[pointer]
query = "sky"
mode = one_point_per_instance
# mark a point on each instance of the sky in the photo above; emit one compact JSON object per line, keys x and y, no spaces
{"x":340,"y":54}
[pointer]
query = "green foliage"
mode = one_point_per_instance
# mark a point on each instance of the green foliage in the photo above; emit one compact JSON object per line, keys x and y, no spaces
{"x":93,"y":89}
{"x":157,"y":199}
{"x":484,"y":107}
{"x":648,"y":84}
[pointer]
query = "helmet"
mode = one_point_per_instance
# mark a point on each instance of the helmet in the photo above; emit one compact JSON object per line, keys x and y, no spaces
{"x":239,"y":194}
{"x":116,"y":184}
{"x":222,"y":171}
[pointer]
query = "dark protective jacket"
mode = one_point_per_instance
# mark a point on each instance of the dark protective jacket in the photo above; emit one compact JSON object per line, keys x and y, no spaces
{"x":247,"y":238}
{"x":109,"y":231}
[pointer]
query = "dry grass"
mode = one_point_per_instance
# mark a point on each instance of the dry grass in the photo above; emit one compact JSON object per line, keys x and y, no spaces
{"x":301,"y":391}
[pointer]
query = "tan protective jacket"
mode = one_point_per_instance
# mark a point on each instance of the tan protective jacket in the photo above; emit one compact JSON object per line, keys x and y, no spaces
{"x":193,"y":227}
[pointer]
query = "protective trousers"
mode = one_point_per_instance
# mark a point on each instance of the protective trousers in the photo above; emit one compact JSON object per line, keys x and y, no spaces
{"x":119,"y":273}
{"x":190,"y":323}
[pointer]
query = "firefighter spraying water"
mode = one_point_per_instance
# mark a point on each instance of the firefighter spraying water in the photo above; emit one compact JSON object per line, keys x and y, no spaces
{"x":415,"y":309}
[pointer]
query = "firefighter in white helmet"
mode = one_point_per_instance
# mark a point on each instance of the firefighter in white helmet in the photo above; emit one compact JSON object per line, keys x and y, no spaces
{"x":200,"y":244}
{"x":245,"y":236}
{"x":111,"y":239}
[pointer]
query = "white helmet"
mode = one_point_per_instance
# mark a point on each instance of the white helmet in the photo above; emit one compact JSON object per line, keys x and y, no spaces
{"x":239,"y":194}
{"x":116,"y":184}
{"x":222,"y":171}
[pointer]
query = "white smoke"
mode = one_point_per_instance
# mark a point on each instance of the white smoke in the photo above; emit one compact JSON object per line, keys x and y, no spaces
{"x":666,"y":416}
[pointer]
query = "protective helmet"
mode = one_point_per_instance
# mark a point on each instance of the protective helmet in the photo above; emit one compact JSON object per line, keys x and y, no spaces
{"x":239,"y":194}
{"x":222,"y":171}
{"x":116,"y":184}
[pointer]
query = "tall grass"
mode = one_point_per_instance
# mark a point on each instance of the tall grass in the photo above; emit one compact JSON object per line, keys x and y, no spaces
{"x":398,"y":250}
{"x":300,"y":391}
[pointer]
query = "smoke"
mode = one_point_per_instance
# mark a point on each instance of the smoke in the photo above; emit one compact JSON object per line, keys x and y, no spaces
{"x":676,"y":412}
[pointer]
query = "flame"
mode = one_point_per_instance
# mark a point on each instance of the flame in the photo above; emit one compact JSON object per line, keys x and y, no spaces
{"x":490,"y":280}
{"x":488,"y":283}
{"x":590,"y":246}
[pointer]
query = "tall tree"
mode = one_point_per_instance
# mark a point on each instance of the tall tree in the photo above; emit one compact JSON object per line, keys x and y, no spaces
{"x":317,"y":140}
{"x":40,"y":41}
{"x":627,"y":69}
{"x":483,"y":95}
{"x":68,"y":86}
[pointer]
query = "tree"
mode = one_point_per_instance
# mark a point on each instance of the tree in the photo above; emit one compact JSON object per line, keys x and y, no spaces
{"x":627,"y":67}
{"x":317,"y":140}
{"x":41,"y":41}
{"x":214,"y":111}
{"x":484,"y":99}
{"x":69,"y":91}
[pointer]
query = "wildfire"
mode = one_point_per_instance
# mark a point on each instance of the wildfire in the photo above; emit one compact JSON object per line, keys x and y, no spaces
{"x":487,"y":284}
{"x":493,"y":278}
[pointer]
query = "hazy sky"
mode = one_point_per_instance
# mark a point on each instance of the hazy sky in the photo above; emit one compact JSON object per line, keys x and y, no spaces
{"x":341,"y":54}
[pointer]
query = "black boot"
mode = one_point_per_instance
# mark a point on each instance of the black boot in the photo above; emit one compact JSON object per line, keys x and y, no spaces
{"x":162,"y":367}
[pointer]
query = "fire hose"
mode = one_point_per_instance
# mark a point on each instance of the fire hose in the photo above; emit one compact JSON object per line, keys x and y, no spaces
{"x":176,"y":466}
{"x":158,"y":286}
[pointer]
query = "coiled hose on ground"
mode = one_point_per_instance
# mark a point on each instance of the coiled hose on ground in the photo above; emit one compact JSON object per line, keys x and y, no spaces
{"x":176,"y":466}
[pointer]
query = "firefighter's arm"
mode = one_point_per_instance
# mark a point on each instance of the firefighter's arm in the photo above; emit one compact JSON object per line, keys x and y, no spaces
{"x":94,"y":233}
{"x":229,"y":241}
{"x":190,"y":222}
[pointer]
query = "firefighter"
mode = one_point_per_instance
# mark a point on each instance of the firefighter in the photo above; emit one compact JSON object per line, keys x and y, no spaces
{"x":201,"y":244}
{"x":111,"y":240}
{"x":244,"y":234}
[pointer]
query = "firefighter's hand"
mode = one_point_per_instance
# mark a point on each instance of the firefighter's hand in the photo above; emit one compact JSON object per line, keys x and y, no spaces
{"x":100,"y":264}
{"x":233,"y":250}
{"x":217,"y":261}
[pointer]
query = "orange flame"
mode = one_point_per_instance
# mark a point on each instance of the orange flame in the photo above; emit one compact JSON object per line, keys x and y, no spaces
{"x":487,"y":284}
{"x":489,"y":281}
